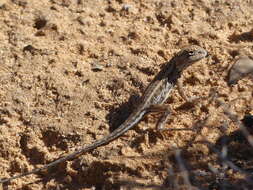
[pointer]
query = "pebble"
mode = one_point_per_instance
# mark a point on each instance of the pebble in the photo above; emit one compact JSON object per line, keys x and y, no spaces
{"x":2,"y":3}
{"x":96,"y":67}
{"x":126,"y":7}
{"x":241,"y":68}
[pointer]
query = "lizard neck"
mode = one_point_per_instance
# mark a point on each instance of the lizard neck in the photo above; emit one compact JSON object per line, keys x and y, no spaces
{"x":172,"y":72}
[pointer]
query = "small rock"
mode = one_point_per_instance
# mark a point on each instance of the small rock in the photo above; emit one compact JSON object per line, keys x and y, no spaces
{"x":126,"y":7}
{"x":96,"y":67}
{"x":241,"y":68}
{"x":81,"y":20}
{"x":30,"y":49}
{"x":2,"y":3}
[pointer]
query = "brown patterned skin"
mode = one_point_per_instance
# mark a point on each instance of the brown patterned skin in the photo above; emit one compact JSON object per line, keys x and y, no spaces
{"x":155,"y":94}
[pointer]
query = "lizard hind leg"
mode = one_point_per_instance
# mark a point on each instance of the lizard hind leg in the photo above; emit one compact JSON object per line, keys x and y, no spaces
{"x":166,"y":112}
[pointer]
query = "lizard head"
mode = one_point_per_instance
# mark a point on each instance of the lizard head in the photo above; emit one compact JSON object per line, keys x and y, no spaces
{"x":189,"y":55}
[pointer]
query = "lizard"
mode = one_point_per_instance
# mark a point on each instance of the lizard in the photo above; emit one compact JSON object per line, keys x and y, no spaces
{"x":152,"y":100}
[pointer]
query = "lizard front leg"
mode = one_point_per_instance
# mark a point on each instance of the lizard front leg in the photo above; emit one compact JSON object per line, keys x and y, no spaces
{"x":183,"y":95}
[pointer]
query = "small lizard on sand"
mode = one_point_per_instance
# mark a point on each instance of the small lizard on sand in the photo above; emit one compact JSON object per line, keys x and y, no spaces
{"x":152,"y":101}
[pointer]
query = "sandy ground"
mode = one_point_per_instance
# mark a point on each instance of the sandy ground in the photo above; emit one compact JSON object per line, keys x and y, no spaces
{"x":72,"y":71}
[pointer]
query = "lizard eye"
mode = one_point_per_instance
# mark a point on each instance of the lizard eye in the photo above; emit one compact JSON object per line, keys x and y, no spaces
{"x":191,"y":53}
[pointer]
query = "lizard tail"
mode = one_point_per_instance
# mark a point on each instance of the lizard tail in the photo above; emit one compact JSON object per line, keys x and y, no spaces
{"x":133,"y":119}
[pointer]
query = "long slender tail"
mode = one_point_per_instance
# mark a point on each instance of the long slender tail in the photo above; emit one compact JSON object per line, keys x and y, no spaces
{"x":133,"y":119}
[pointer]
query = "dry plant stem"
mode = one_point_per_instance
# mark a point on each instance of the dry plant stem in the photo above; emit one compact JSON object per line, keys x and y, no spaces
{"x":221,"y":156}
{"x":183,"y":169}
{"x":227,"y":111}
{"x":223,"y":153}
{"x":172,"y":179}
